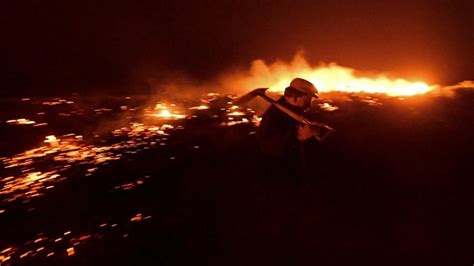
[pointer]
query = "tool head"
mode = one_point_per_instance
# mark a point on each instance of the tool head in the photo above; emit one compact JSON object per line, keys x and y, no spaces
{"x":249,"y":96}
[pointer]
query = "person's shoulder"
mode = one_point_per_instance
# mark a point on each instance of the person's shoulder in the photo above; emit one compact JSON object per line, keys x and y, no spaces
{"x":270,"y":111}
{"x":274,"y":113}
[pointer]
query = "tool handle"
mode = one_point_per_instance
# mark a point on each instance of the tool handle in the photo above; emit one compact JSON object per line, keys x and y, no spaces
{"x":296,"y":116}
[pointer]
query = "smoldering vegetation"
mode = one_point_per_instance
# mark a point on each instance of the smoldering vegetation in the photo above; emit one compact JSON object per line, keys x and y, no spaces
{"x":392,"y":186}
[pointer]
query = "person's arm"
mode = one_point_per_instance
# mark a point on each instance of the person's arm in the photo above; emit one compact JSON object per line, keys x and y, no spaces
{"x":305,"y":132}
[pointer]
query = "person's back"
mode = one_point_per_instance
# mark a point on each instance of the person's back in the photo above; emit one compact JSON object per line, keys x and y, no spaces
{"x":280,"y":136}
{"x":277,"y":134}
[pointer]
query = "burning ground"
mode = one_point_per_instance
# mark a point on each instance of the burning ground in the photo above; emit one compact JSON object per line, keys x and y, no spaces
{"x":128,"y":181}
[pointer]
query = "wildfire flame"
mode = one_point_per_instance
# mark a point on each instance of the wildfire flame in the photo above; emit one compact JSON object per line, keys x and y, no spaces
{"x":165,"y":113}
{"x":327,"y":78}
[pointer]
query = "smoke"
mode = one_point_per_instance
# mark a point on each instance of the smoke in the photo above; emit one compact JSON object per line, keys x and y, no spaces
{"x":263,"y":75}
{"x":277,"y":76}
{"x":467,"y":84}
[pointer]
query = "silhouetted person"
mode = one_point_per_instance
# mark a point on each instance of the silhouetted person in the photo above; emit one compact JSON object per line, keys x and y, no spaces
{"x":281,"y":137}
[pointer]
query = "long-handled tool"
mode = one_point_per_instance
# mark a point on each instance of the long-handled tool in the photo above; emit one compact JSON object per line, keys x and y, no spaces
{"x":321,"y":131}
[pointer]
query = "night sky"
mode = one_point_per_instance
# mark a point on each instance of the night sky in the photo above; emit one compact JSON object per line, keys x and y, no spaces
{"x":110,"y":47}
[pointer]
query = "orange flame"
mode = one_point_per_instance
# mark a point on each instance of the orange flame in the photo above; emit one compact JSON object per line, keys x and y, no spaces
{"x":327,"y":78}
{"x":165,"y":113}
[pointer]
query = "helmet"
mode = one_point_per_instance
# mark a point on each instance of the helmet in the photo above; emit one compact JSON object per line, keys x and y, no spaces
{"x":304,"y":86}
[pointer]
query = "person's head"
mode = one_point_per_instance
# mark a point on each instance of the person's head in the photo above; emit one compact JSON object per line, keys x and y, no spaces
{"x":300,"y":93}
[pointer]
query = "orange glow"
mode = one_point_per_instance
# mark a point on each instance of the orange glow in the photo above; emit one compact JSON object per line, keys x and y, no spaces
{"x":326,"y":77}
{"x":70,"y":251}
{"x":29,"y":183}
{"x":21,"y":121}
{"x":52,"y":140}
{"x":63,"y":152}
{"x":200,"y":107}
{"x":35,"y":171}
{"x":328,"y":107}
{"x":4,"y":258}
{"x":136,"y":218}
{"x":165,"y":113}
{"x":236,"y":113}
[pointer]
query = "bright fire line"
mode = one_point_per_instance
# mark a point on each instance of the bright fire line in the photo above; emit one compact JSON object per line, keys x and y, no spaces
{"x":327,"y":78}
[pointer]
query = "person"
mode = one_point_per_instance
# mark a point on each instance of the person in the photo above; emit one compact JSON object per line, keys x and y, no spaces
{"x":280,"y":137}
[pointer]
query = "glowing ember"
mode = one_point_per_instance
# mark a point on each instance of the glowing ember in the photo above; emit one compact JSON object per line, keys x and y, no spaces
{"x":236,"y":113}
{"x":4,"y":258}
{"x":255,"y":120}
{"x":26,"y":254}
{"x":36,"y":171}
{"x":200,"y":107}
{"x":371,"y":101}
{"x":21,"y":121}
{"x":132,"y":185}
{"x":47,"y":247}
{"x":70,"y":251}
{"x":67,"y":151}
{"x":28,"y":185}
{"x":52,"y":140}
{"x":137,"y":218}
{"x":41,"y":125}
{"x":164,"y":112}
{"x":58,"y":102}
{"x":328,"y":107}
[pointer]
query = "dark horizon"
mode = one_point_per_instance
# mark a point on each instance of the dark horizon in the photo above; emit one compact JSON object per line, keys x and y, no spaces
{"x":113,"y":47}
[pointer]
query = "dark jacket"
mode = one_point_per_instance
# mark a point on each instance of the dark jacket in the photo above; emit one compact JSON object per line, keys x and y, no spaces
{"x":277,"y":135}
{"x":283,"y":154}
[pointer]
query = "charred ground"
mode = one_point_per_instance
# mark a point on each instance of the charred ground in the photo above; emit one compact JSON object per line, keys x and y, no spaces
{"x":392,"y":186}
